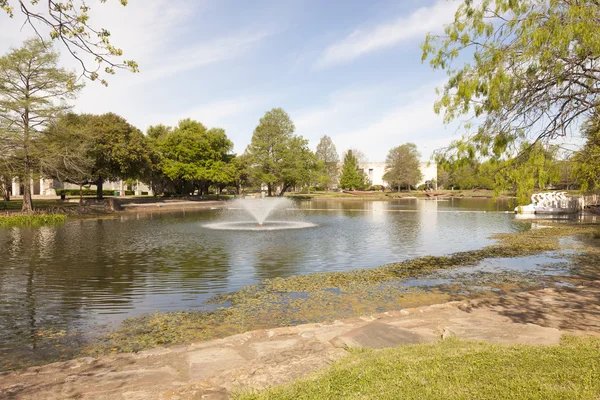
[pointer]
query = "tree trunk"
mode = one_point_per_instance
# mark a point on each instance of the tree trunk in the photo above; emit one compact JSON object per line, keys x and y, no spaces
{"x":27,"y":202}
{"x":284,"y":189}
{"x":4,"y":184}
{"x":99,"y":188}
{"x":80,"y":194}
{"x":270,"y":193}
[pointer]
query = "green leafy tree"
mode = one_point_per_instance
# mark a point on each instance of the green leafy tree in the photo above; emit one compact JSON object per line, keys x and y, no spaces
{"x":352,"y":177}
{"x":119,"y":150}
{"x":533,"y":169}
{"x":195,"y":157}
{"x":403,"y":167}
{"x":327,"y":154}
{"x":242,"y":172}
{"x":275,"y":153}
{"x":69,"y":143}
{"x":69,"y":23}
{"x":535,"y":71}
{"x":587,"y":159}
{"x":6,"y":173}
{"x":33,"y":91}
{"x":299,"y":166}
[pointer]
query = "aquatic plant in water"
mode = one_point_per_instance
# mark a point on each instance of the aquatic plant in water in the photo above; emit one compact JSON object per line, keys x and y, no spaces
{"x":31,"y":220}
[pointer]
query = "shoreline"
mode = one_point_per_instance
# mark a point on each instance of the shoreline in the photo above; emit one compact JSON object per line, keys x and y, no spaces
{"x":256,"y":360}
{"x":338,"y":295}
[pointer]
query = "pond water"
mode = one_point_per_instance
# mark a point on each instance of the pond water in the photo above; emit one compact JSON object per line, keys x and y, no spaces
{"x":93,"y":272}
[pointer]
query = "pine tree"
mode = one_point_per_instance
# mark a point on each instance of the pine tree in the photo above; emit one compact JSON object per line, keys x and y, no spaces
{"x":351,"y":178}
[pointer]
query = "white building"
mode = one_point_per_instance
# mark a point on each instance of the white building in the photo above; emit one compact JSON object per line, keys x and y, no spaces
{"x":375,"y":171}
{"x":48,"y":187}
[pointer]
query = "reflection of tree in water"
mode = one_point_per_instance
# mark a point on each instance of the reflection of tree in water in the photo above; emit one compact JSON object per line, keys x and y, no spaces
{"x":53,"y":279}
{"x":273,"y":259}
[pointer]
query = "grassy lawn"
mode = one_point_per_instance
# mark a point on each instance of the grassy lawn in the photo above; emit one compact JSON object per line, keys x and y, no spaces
{"x":38,"y":204}
{"x":392,"y":195}
{"x":455,"y":369}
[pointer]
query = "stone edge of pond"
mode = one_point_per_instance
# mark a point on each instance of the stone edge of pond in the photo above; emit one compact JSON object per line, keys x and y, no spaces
{"x":246,"y":305}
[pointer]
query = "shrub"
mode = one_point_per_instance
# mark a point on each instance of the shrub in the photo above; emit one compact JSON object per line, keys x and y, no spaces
{"x":90,"y":192}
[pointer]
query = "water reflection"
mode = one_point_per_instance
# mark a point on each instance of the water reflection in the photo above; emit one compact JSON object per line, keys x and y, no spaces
{"x":92,"y":272}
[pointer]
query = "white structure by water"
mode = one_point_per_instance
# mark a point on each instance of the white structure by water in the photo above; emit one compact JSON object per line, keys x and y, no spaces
{"x":48,"y":187}
{"x":375,"y":171}
{"x":549,"y":203}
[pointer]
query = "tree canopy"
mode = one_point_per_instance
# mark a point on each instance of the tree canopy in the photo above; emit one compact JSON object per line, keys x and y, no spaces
{"x":327,"y":154}
{"x":352,"y":177}
{"x":68,"y":22}
{"x":33,"y":91}
{"x":403,"y":167}
{"x":587,"y":160}
{"x":277,"y":156}
{"x":534,"y":71}
{"x":193,"y":155}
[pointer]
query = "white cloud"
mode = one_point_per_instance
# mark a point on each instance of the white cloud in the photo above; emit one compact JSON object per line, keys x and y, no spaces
{"x":220,"y":113}
{"x":389,"y":34}
{"x":375,"y":119}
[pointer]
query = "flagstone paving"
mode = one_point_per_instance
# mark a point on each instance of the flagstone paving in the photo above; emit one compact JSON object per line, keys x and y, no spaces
{"x":258,"y":359}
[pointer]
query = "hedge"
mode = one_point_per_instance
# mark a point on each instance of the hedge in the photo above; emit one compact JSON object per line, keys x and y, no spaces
{"x":91,"y":192}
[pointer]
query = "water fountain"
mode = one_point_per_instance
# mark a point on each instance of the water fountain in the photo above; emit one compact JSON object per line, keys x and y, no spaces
{"x":260,"y":209}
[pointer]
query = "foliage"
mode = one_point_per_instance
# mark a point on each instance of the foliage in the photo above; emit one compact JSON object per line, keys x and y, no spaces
{"x":456,"y":369}
{"x":277,"y":156}
{"x":352,"y":177}
{"x":403,"y":167}
{"x":587,"y":160}
{"x":191,"y":156}
{"x":70,"y":144}
{"x":327,"y":154}
{"x":534,"y":169}
{"x":324,"y":296}
{"x":90,"y":192}
{"x":69,"y":23}
{"x":33,"y":90}
{"x":92,"y":149}
{"x":31,"y":220}
{"x":535,"y":71}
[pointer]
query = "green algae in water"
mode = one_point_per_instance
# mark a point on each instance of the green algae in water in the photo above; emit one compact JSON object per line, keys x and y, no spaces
{"x":328,"y":296}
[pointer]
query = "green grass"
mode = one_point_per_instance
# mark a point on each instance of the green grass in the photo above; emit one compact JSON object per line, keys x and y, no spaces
{"x":31,"y":220}
{"x":396,"y":195}
{"x":38,"y":204}
{"x":455,"y":369}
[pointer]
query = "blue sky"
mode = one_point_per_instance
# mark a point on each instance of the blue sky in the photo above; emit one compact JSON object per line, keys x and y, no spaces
{"x":348,"y":69}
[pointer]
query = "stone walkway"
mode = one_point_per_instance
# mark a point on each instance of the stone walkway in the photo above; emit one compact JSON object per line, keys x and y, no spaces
{"x":254,"y":360}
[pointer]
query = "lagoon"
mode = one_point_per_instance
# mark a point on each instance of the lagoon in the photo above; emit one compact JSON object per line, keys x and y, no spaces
{"x":90,"y":274}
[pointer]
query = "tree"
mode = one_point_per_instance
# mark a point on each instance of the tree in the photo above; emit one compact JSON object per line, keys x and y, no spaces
{"x":68,"y":22}
{"x":69,"y":143}
{"x":33,"y":90}
{"x":403,"y":166}
{"x":587,"y":159}
{"x":6,"y":173}
{"x":533,"y":169}
{"x":352,"y":177}
{"x":299,"y":166}
{"x":327,"y":153}
{"x":275,"y":152}
{"x":195,"y":157}
{"x":535,"y":71}
{"x":119,"y":150}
